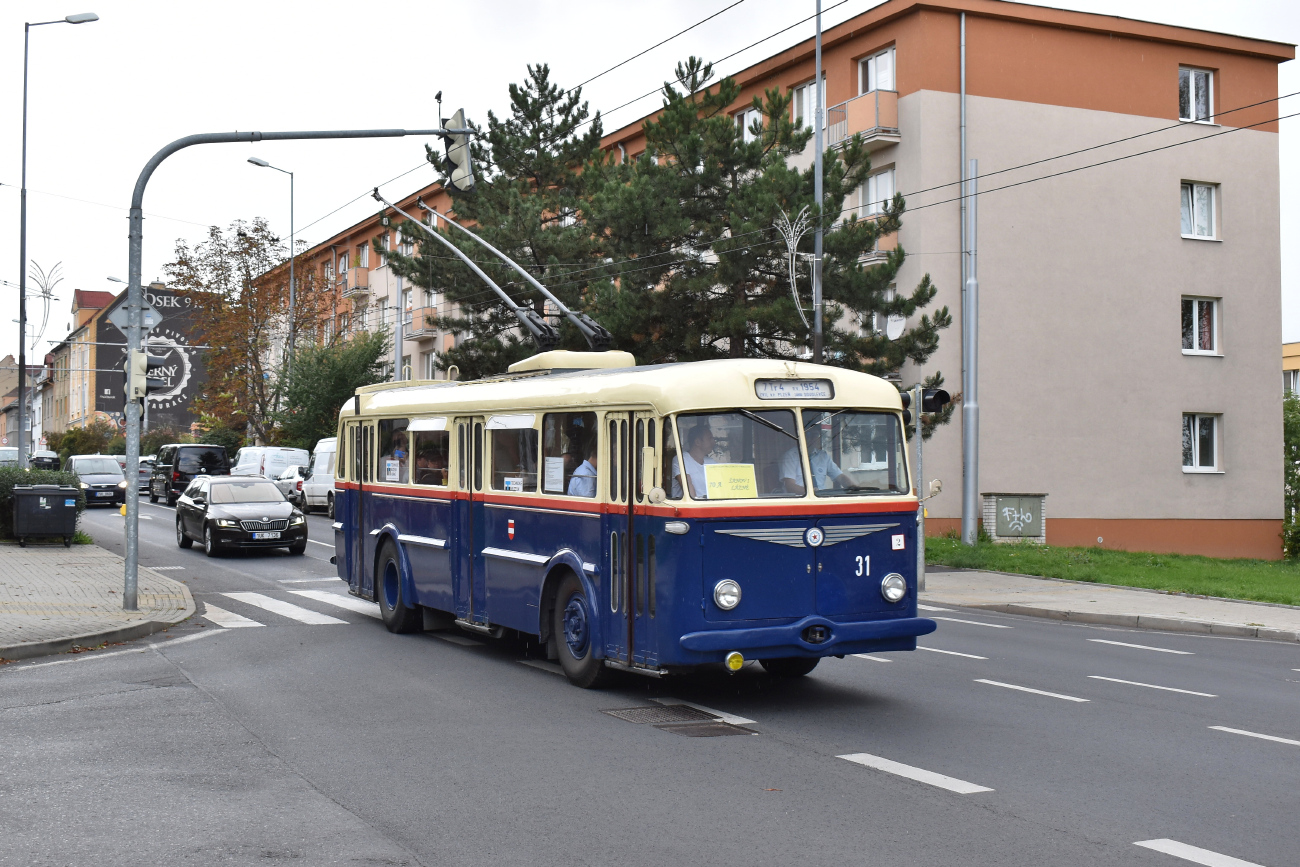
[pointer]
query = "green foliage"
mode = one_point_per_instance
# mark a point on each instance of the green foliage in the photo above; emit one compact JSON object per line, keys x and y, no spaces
{"x":155,"y":439}
{"x":1258,"y":580}
{"x":10,"y":476}
{"x":322,"y":380}
{"x":92,"y":439}
{"x":218,"y":435}
{"x":1291,"y":475}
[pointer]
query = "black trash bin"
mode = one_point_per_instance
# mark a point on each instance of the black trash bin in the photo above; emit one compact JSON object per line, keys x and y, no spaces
{"x":45,"y":510}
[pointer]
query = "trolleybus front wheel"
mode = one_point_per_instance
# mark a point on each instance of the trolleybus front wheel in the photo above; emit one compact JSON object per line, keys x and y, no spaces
{"x":398,"y":616}
{"x":789,"y":666}
{"x":571,"y":624}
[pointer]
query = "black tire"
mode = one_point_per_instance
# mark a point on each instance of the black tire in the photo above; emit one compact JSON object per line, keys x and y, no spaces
{"x":67,"y":541}
{"x":210,"y":546}
{"x":572,"y":622}
{"x":789,"y":666}
{"x":182,"y":540}
{"x":153,"y":498}
{"x":22,"y":542}
{"x":398,"y":616}
{"x":300,"y":548}
{"x":171,"y":501}
{"x":329,"y":506}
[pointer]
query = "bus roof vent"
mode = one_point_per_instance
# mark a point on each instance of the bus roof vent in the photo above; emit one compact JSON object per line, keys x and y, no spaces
{"x":563,"y":359}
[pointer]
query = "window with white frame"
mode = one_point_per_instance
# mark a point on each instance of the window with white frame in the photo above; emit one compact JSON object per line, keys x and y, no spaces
{"x":430,"y":365}
{"x":329,"y":272}
{"x":876,"y":72}
{"x":1200,"y":320}
{"x":1196,"y":95}
{"x":876,"y":192}
{"x":1200,"y":442}
{"x":363,"y":254}
{"x":406,"y":367}
{"x":805,"y":103}
{"x":1291,"y":382}
{"x":407,"y":247}
{"x":1197,"y":210}
{"x":745,"y":120}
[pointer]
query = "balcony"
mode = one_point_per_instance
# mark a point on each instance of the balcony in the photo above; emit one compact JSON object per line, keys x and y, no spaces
{"x":416,"y":325}
{"x":355,"y":282}
{"x":873,"y":114}
{"x":884,"y":246}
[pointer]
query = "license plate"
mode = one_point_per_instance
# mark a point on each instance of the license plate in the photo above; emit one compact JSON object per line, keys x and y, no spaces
{"x":103,"y":493}
{"x":266,"y":536}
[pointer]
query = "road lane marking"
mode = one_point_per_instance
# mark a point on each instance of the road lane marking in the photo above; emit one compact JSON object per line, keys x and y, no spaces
{"x":725,"y":717}
{"x":974,"y":622}
{"x":227,"y":619}
{"x":159,"y":645}
{"x":326,"y":544}
{"x":1195,"y":854}
{"x":1151,"y":686}
{"x":351,"y":603}
{"x":541,"y":665}
{"x":931,"y":607}
{"x":165,"y":568}
{"x":950,"y":652}
{"x":1027,"y":689}
{"x":1144,"y":647}
{"x":870,"y":657}
{"x":285,"y":609}
{"x":1256,"y":735}
{"x":307,"y":580}
{"x":457,"y":638}
{"x":921,"y":775}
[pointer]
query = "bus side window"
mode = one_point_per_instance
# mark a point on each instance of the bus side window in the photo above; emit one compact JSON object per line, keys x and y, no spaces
{"x":514,"y":460}
{"x":613,"y":461}
{"x":461,"y":458}
{"x":672,"y":484}
{"x":431,"y":454}
{"x":638,"y":457}
{"x":394,"y":451}
{"x":622,"y":464}
{"x":478,"y":456}
{"x":569,"y":454}
{"x":367,"y":451}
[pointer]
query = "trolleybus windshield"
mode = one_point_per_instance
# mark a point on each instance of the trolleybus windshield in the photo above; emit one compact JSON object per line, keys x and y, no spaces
{"x":737,"y":455}
{"x":855,"y":452}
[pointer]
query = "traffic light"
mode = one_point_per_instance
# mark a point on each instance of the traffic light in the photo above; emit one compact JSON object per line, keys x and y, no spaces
{"x":459,"y":168}
{"x":932,"y":400}
{"x":137,"y":367}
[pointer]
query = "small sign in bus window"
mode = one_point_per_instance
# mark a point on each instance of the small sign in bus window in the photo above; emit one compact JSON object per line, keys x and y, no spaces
{"x":731,"y":481}
{"x":794,"y":389}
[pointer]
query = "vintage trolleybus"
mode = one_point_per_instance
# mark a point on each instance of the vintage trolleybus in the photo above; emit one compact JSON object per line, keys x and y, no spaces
{"x":639,"y":518}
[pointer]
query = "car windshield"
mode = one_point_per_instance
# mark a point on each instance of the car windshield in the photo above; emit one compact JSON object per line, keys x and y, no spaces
{"x":200,"y":460}
{"x":96,"y":466}
{"x":855,"y":453}
{"x":258,"y":491}
{"x":738,"y":455}
{"x":8,"y":455}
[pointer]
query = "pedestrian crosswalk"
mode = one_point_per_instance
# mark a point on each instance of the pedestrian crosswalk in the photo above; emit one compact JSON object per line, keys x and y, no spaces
{"x":281,"y":608}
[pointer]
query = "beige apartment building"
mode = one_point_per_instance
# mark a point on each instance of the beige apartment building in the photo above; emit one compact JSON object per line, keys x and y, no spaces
{"x":1291,"y":368}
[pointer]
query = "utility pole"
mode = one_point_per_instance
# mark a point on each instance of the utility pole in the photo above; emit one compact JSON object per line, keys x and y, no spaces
{"x":918,"y":403}
{"x":819,"y":119}
{"x":970,"y":408}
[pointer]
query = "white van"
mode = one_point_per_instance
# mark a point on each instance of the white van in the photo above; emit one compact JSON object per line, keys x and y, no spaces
{"x":267,"y":461}
{"x":318,"y":486}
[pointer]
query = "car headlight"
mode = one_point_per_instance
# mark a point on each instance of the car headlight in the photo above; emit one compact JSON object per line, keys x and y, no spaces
{"x":85,"y":487}
{"x":726,"y":594}
{"x":227,"y":522}
{"x":122,"y":484}
{"x":893,"y":587}
{"x":297,"y":519}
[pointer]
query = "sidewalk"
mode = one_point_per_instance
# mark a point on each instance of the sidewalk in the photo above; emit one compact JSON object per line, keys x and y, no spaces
{"x":1082,"y":602}
{"x":53,"y":598}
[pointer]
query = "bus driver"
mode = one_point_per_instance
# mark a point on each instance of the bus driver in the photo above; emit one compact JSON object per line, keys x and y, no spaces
{"x":825,"y":472}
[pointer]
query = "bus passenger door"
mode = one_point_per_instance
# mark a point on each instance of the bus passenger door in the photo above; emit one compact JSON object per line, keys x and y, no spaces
{"x":644,"y":442}
{"x":616,"y":572}
{"x":365,"y":543}
{"x":347,"y":533}
{"x":467,"y":554}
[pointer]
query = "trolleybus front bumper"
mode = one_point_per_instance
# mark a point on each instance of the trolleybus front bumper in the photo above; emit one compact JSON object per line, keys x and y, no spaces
{"x":811,"y":636}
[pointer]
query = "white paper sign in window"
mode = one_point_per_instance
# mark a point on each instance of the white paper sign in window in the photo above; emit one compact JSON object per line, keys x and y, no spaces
{"x":554,"y":479}
{"x":428,"y":424}
{"x":392,"y":471}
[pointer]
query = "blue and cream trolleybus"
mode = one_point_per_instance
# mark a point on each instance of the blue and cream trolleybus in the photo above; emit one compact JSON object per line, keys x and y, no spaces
{"x":647,"y":519}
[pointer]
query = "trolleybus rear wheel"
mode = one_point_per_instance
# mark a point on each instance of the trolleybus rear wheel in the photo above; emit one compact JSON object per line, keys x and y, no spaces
{"x":398,"y":615}
{"x":789,"y":666}
{"x":571,"y":624}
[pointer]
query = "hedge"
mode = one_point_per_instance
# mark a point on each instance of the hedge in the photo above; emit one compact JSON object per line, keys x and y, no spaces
{"x":10,"y":476}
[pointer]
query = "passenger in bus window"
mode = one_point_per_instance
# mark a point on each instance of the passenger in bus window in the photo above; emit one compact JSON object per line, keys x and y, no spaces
{"x":583,"y":483}
{"x":699,"y":442}
{"x":514,"y":460}
{"x":394,"y":456}
{"x":431,"y":452}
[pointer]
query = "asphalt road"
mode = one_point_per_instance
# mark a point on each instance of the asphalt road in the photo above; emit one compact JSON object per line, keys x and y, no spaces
{"x":1011,"y":741}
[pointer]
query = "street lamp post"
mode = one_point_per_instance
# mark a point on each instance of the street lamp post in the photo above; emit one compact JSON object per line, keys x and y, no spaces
{"x":79,"y":18}
{"x":288,"y":362}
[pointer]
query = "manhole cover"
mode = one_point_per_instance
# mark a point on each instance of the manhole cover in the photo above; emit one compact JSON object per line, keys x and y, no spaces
{"x":659,"y":714}
{"x":714,"y":729}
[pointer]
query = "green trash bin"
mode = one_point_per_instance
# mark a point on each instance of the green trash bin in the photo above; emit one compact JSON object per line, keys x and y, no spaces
{"x":42,"y":511}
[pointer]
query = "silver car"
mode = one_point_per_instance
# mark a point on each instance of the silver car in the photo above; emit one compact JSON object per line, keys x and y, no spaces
{"x":290,"y":484}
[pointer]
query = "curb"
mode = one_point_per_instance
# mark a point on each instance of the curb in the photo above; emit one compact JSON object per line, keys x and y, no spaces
{"x":1166,"y":624}
{"x":89,"y":639}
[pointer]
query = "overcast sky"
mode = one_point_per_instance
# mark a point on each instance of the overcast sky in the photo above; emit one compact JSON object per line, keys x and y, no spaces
{"x":105,"y":96}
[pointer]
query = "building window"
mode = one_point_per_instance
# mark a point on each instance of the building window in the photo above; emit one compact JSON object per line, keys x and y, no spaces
{"x":746,"y":120}
{"x":805,"y":103}
{"x":1200,"y":326}
{"x":407,"y":247}
{"x":1200,"y":443}
{"x":406,"y":367}
{"x":1291,"y":382}
{"x":1198,"y":210}
{"x":1195,"y":95}
{"x":430,"y":365}
{"x":876,"y":192}
{"x":876,"y":72}
{"x":363,"y":255}
{"x":406,"y":308}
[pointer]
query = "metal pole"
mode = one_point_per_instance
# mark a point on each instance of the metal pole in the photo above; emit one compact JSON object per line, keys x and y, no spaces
{"x":920,"y":506}
{"x":22,"y":272}
{"x":397,"y":333}
{"x":819,"y":119}
{"x":961,"y":222}
{"x":288,"y":364}
{"x":970,"y":411}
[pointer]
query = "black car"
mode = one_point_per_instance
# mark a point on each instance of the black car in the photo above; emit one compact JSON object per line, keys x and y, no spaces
{"x":101,"y":479}
{"x":179,"y":463}
{"x":238,"y":512}
{"x":44,"y":460}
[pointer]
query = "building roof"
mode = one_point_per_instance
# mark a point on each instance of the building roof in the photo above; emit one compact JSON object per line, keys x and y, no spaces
{"x":92,"y":298}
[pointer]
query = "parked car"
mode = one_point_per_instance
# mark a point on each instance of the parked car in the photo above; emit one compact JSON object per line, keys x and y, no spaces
{"x":101,"y":479}
{"x":145,"y":469}
{"x":290,"y":483}
{"x":318,"y":484}
{"x":225,"y":512}
{"x":9,"y":456}
{"x":267,"y":461}
{"x":44,"y":460}
{"x":179,"y":463}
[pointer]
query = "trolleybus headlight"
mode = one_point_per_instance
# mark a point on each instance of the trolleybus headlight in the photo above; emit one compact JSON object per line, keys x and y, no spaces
{"x":726,"y":594}
{"x":893,"y":587}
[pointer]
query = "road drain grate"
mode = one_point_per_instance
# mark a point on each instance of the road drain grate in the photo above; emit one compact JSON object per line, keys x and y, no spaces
{"x":661,"y":714}
{"x":714,"y":729}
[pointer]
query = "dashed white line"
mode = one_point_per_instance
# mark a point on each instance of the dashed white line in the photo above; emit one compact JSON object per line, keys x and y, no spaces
{"x":931,"y":607}
{"x":1144,"y":647}
{"x":921,"y":775}
{"x":870,"y":657}
{"x":1195,"y":854}
{"x":351,"y":603}
{"x":307,"y":580}
{"x":725,"y":717}
{"x":1256,"y":735}
{"x":227,"y":619}
{"x":950,"y":652}
{"x":1034,"y":691}
{"x":286,"y":609}
{"x":974,"y":622}
{"x":326,"y":544}
{"x":166,"y":568}
{"x":1151,"y":686}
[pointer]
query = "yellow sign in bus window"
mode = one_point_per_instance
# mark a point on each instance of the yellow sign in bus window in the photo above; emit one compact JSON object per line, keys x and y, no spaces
{"x":731,"y":481}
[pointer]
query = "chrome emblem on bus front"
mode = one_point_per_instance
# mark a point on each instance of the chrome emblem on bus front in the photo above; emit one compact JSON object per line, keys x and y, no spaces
{"x":814,"y":537}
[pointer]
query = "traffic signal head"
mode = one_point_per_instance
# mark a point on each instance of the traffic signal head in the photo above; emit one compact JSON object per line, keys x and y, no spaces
{"x":459,"y":168}
{"x":138,"y":381}
{"x":934,"y":399}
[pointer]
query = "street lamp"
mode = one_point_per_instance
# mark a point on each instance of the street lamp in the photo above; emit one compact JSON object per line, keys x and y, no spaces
{"x":288,"y":363}
{"x":79,"y":18}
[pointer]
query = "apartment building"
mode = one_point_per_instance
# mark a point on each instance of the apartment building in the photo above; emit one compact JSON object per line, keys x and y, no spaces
{"x":74,"y":362}
{"x":1291,"y":368}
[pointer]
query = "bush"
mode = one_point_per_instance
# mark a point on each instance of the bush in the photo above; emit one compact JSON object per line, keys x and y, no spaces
{"x":155,"y":439}
{"x":233,"y":440}
{"x":10,"y":476}
{"x":92,"y":439}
